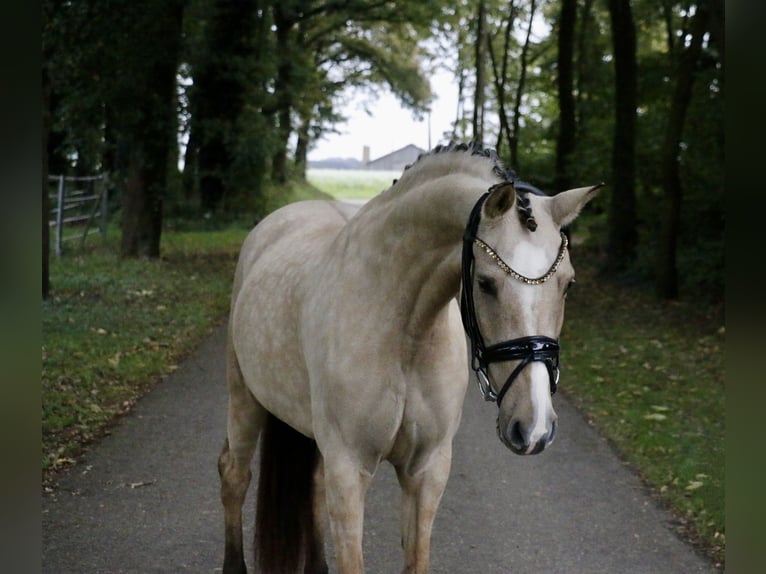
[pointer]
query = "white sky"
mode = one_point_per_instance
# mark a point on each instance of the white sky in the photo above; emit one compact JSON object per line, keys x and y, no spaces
{"x":389,"y":126}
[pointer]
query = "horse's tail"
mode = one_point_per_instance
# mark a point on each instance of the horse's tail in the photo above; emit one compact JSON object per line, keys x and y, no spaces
{"x":286,"y":539}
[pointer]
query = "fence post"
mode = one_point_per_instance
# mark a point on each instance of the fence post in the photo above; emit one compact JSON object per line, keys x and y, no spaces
{"x":60,"y":216}
{"x":104,"y":205}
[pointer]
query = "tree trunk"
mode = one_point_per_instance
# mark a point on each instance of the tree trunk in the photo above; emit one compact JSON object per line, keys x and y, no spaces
{"x":457,"y":127}
{"x":46,"y":205}
{"x":283,"y":89}
{"x":667,"y":274}
{"x":150,"y":132}
{"x":623,"y":236}
{"x":220,"y":92}
{"x":189,"y":178}
{"x":481,"y":66}
{"x":565,"y":142}
{"x":302,"y":149}
{"x":520,"y":89}
{"x":501,"y":78}
{"x":585,"y":29}
{"x":142,"y":205}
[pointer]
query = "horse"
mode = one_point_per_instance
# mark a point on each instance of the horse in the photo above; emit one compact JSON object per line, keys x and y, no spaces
{"x":347,"y":346}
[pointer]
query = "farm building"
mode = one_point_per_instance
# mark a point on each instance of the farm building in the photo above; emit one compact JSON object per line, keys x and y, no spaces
{"x":396,"y":160}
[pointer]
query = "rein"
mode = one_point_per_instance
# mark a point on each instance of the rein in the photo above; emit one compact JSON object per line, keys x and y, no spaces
{"x":525,"y":349}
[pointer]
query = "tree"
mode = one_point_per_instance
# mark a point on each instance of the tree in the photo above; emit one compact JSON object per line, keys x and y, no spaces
{"x":481,"y":66}
{"x":144,"y":93}
{"x":274,"y":69}
{"x":565,"y":142}
{"x":285,"y":23}
{"x":46,"y":240}
{"x":227,"y":74}
{"x":622,"y":233}
{"x":47,"y":14}
{"x":501,"y":79}
{"x":521,"y":86}
{"x":689,"y":54}
{"x":364,"y":45}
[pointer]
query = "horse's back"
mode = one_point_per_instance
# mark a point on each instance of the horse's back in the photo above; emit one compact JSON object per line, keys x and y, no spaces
{"x":304,"y":225}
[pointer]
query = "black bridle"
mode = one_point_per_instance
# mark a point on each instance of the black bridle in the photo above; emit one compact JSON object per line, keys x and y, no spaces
{"x":525,"y":349}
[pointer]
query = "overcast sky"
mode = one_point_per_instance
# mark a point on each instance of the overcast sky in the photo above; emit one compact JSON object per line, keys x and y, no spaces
{"x":389,"y":127}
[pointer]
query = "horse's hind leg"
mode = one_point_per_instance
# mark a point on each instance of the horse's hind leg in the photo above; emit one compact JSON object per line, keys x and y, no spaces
{"x":245,"y":419}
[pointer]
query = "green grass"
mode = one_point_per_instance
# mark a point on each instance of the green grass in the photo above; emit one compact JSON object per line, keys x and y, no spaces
{"x":650,"y":376}
{"x":351,"y":184}
{"x":113,"y":326}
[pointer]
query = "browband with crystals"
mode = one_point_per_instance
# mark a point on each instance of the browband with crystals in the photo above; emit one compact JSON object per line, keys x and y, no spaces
{"x":515,"y":274}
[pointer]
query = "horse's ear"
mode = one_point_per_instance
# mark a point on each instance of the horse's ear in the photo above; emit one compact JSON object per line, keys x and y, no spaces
{"x":566,"y":206}
{"x":500,"y":199}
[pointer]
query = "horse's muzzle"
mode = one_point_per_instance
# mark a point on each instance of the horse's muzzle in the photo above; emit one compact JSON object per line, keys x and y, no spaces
{"x":517,"y":438}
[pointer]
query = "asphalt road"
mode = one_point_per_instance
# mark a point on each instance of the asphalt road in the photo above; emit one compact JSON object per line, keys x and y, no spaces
{"x":146,"y":498}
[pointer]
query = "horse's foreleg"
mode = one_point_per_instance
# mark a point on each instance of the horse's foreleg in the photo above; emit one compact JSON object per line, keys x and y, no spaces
{"x":346,"y":485}
{"x":245,"y":419}
{"x":421,"y":493}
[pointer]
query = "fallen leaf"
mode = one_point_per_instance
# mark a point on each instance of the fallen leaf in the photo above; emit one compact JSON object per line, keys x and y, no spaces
{"x":655,"y":417}
{"x":135,"y":485}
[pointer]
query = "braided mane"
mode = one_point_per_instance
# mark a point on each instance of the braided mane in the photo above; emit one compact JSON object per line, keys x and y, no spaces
{"x":506,"y":175}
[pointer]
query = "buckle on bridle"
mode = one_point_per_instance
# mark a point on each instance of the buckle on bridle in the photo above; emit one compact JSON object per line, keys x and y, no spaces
{"x":485,"y":388}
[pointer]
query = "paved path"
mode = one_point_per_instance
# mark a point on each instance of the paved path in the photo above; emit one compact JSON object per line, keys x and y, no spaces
{"x":146,"y":498}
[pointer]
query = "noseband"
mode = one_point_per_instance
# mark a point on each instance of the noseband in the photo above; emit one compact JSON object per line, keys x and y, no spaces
{"x":524,"y":349}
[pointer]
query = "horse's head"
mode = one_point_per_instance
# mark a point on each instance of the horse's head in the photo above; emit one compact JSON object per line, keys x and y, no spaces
{"x":516,"y":274}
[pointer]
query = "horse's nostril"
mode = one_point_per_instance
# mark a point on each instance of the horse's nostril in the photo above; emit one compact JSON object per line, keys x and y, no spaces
{"x":516,"y":436}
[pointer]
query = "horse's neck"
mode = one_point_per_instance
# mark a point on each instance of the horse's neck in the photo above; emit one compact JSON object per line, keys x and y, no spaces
{"x":410,"y":246}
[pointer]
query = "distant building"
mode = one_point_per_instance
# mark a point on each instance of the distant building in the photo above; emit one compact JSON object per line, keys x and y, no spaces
{"x":394,"y":161}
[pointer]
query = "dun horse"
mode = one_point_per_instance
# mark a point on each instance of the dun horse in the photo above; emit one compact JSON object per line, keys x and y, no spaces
{"x":347,"y":347}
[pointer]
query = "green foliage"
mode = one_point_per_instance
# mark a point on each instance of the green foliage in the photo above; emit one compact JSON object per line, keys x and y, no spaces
{"x":365,"y":44}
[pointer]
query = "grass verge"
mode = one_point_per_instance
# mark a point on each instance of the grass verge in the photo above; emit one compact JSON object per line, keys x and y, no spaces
{"x":650,"y":376}
{"x":113,"y":327}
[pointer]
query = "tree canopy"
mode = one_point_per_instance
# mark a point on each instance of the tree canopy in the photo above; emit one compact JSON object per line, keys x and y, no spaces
{"x":630,"y":92}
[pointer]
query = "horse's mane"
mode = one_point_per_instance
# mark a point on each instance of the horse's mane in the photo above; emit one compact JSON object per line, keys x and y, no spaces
{"x":503,"y":174}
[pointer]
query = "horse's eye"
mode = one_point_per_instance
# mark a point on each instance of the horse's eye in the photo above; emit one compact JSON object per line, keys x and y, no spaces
{"x":488,"y":286}
{"x":568,"y":287}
